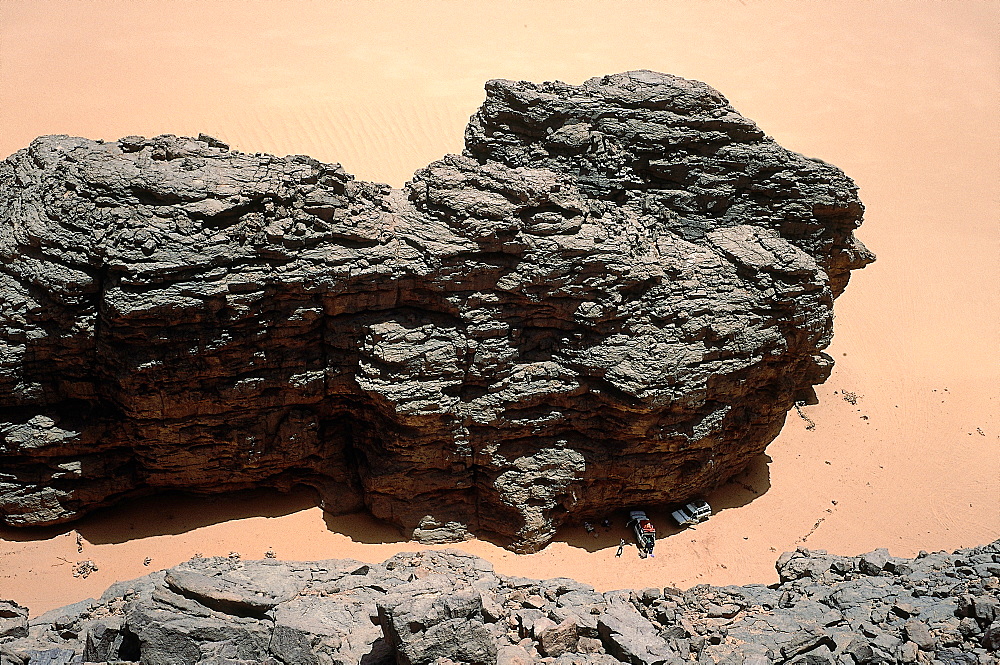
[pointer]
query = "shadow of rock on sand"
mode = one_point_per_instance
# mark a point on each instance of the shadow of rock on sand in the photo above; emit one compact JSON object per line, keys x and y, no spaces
{"x":30,"y":534}
{"x":742,"y":489}
{"x":575,"y":535}
{"x":364,"y":528}
{"x":173,"y":513}
{"x":169,"y":513}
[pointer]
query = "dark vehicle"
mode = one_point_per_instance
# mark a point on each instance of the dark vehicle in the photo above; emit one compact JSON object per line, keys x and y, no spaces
{"x":645,"y":532}
{"x":692,"y":513}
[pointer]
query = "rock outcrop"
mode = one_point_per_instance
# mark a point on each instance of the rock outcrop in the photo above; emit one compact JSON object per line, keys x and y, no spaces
{"x":612,"y":297}
{"x":450,"y":607}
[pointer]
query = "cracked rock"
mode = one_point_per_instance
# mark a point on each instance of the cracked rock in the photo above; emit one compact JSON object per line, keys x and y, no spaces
{"x":612,"y":296}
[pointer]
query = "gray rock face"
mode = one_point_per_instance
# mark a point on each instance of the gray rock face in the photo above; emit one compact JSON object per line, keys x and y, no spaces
{"x":612,"y":297}
{"x":13,"y":620}
{"x":450,"y":607}
{"x":434,"y":618}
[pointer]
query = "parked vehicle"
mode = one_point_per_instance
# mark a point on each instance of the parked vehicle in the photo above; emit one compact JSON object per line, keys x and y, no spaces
{"x":645,"y":532}
{"x":692,"y":513}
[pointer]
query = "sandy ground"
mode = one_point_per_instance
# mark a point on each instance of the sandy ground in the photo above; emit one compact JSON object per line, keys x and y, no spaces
{"x":900,"y":94}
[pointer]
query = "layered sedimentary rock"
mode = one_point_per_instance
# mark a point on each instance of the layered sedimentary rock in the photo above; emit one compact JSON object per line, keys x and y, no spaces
{"x":450,"y":607}
{"x":612,"y":297}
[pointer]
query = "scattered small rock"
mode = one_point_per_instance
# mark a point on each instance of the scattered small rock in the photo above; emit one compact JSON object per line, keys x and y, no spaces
{"x":84,"y":568}
{"x":810,"y":424}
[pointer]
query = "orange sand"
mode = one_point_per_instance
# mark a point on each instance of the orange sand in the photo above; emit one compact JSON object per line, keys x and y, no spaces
{"x":901,"y":94}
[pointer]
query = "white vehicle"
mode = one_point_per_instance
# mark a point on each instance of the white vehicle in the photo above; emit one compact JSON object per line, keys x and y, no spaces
{"x":692,"y":513}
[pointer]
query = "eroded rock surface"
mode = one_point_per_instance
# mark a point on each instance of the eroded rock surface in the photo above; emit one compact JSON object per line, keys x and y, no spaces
{"x":450,"y":607}
{"x":612,"y":297}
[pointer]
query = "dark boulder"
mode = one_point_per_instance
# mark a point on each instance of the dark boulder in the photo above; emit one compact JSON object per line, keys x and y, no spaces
{"x":614,"y":295}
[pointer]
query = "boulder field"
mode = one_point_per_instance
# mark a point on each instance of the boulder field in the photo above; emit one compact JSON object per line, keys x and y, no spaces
{"x":448,"y":607}
{"x":612,"y":297}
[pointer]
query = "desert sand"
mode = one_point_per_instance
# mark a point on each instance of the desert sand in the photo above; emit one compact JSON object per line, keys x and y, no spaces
{"x":902,"y":448}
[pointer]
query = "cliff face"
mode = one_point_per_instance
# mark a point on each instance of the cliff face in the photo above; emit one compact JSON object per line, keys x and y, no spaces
{"x":450,"y":607}
{"x":611,"y":298}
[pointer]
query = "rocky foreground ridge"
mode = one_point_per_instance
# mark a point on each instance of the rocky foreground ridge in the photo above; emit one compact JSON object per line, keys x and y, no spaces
{"x":612,"y":297}
{"x":446,"y":607}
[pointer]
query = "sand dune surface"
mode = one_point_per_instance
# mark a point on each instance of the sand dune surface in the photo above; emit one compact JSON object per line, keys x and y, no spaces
{"x":902,"y":449}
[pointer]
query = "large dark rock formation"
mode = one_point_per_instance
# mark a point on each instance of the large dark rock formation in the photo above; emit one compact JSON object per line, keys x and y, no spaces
{"x":612,"y":297}
{"x":450,"y":607}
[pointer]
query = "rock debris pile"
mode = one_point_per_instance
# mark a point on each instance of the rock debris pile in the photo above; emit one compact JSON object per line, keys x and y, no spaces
{"x":445,"y":607}
{"x":612,"y":297}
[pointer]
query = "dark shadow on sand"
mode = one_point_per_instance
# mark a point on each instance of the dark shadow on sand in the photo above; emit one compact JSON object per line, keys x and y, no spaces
{"x":363,"y":527}
{"x":742,"y":489}
{"x":603,"y":537}
{"x":174,"y":513}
